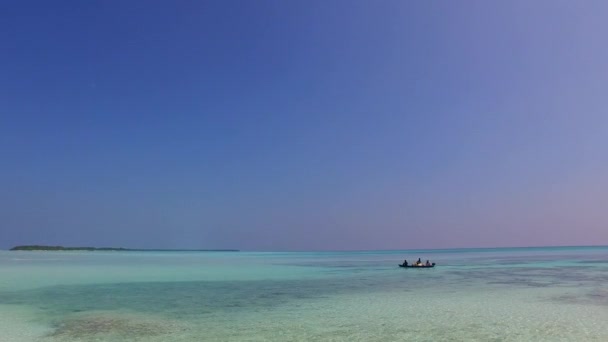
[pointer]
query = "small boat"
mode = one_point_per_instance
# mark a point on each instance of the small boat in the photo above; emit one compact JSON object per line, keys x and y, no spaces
{"x":414,"y":266}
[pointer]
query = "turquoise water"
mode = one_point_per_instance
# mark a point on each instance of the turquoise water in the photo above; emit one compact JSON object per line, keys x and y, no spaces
{"x":519,"y":294}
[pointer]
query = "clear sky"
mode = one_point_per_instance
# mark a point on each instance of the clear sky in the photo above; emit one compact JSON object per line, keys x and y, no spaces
{"x":303,"y":125}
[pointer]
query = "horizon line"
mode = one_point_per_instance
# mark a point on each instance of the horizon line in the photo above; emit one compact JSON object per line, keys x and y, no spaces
{"x":310,"y":250}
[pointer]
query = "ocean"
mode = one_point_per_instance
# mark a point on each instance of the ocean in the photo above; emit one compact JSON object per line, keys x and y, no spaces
{"x":502,"y":294}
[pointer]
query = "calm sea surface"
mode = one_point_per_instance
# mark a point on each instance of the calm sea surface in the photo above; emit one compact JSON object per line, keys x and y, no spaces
{"x":519,"y":294}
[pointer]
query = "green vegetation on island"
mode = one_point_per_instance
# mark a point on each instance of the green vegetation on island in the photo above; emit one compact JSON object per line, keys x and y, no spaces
{"x":61,"y":248}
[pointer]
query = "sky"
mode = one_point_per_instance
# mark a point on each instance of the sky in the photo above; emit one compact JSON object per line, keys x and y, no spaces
{"x":303,"y":125}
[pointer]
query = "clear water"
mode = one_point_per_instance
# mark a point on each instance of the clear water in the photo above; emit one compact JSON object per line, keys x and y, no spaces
{"x":521,"y":294}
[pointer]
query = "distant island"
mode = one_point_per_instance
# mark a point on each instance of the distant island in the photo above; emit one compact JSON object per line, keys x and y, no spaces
{"x":93,"y":249}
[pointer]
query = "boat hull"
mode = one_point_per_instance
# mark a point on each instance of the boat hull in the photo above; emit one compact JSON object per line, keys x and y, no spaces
{"x":410,"y":266}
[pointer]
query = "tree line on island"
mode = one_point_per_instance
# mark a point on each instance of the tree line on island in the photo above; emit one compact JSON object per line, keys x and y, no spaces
{"x":120,"y":249}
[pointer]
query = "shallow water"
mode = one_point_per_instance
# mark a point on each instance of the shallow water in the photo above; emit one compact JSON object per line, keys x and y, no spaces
{"x":520,"y":294}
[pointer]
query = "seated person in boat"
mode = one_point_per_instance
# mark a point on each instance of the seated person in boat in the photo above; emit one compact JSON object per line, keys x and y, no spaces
{"x":404,"y":262}
{"x":418,"y":263}
{"x":427,"y":263}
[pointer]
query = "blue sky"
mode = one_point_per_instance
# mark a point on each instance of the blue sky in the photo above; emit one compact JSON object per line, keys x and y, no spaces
{"x":303,"y":125}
